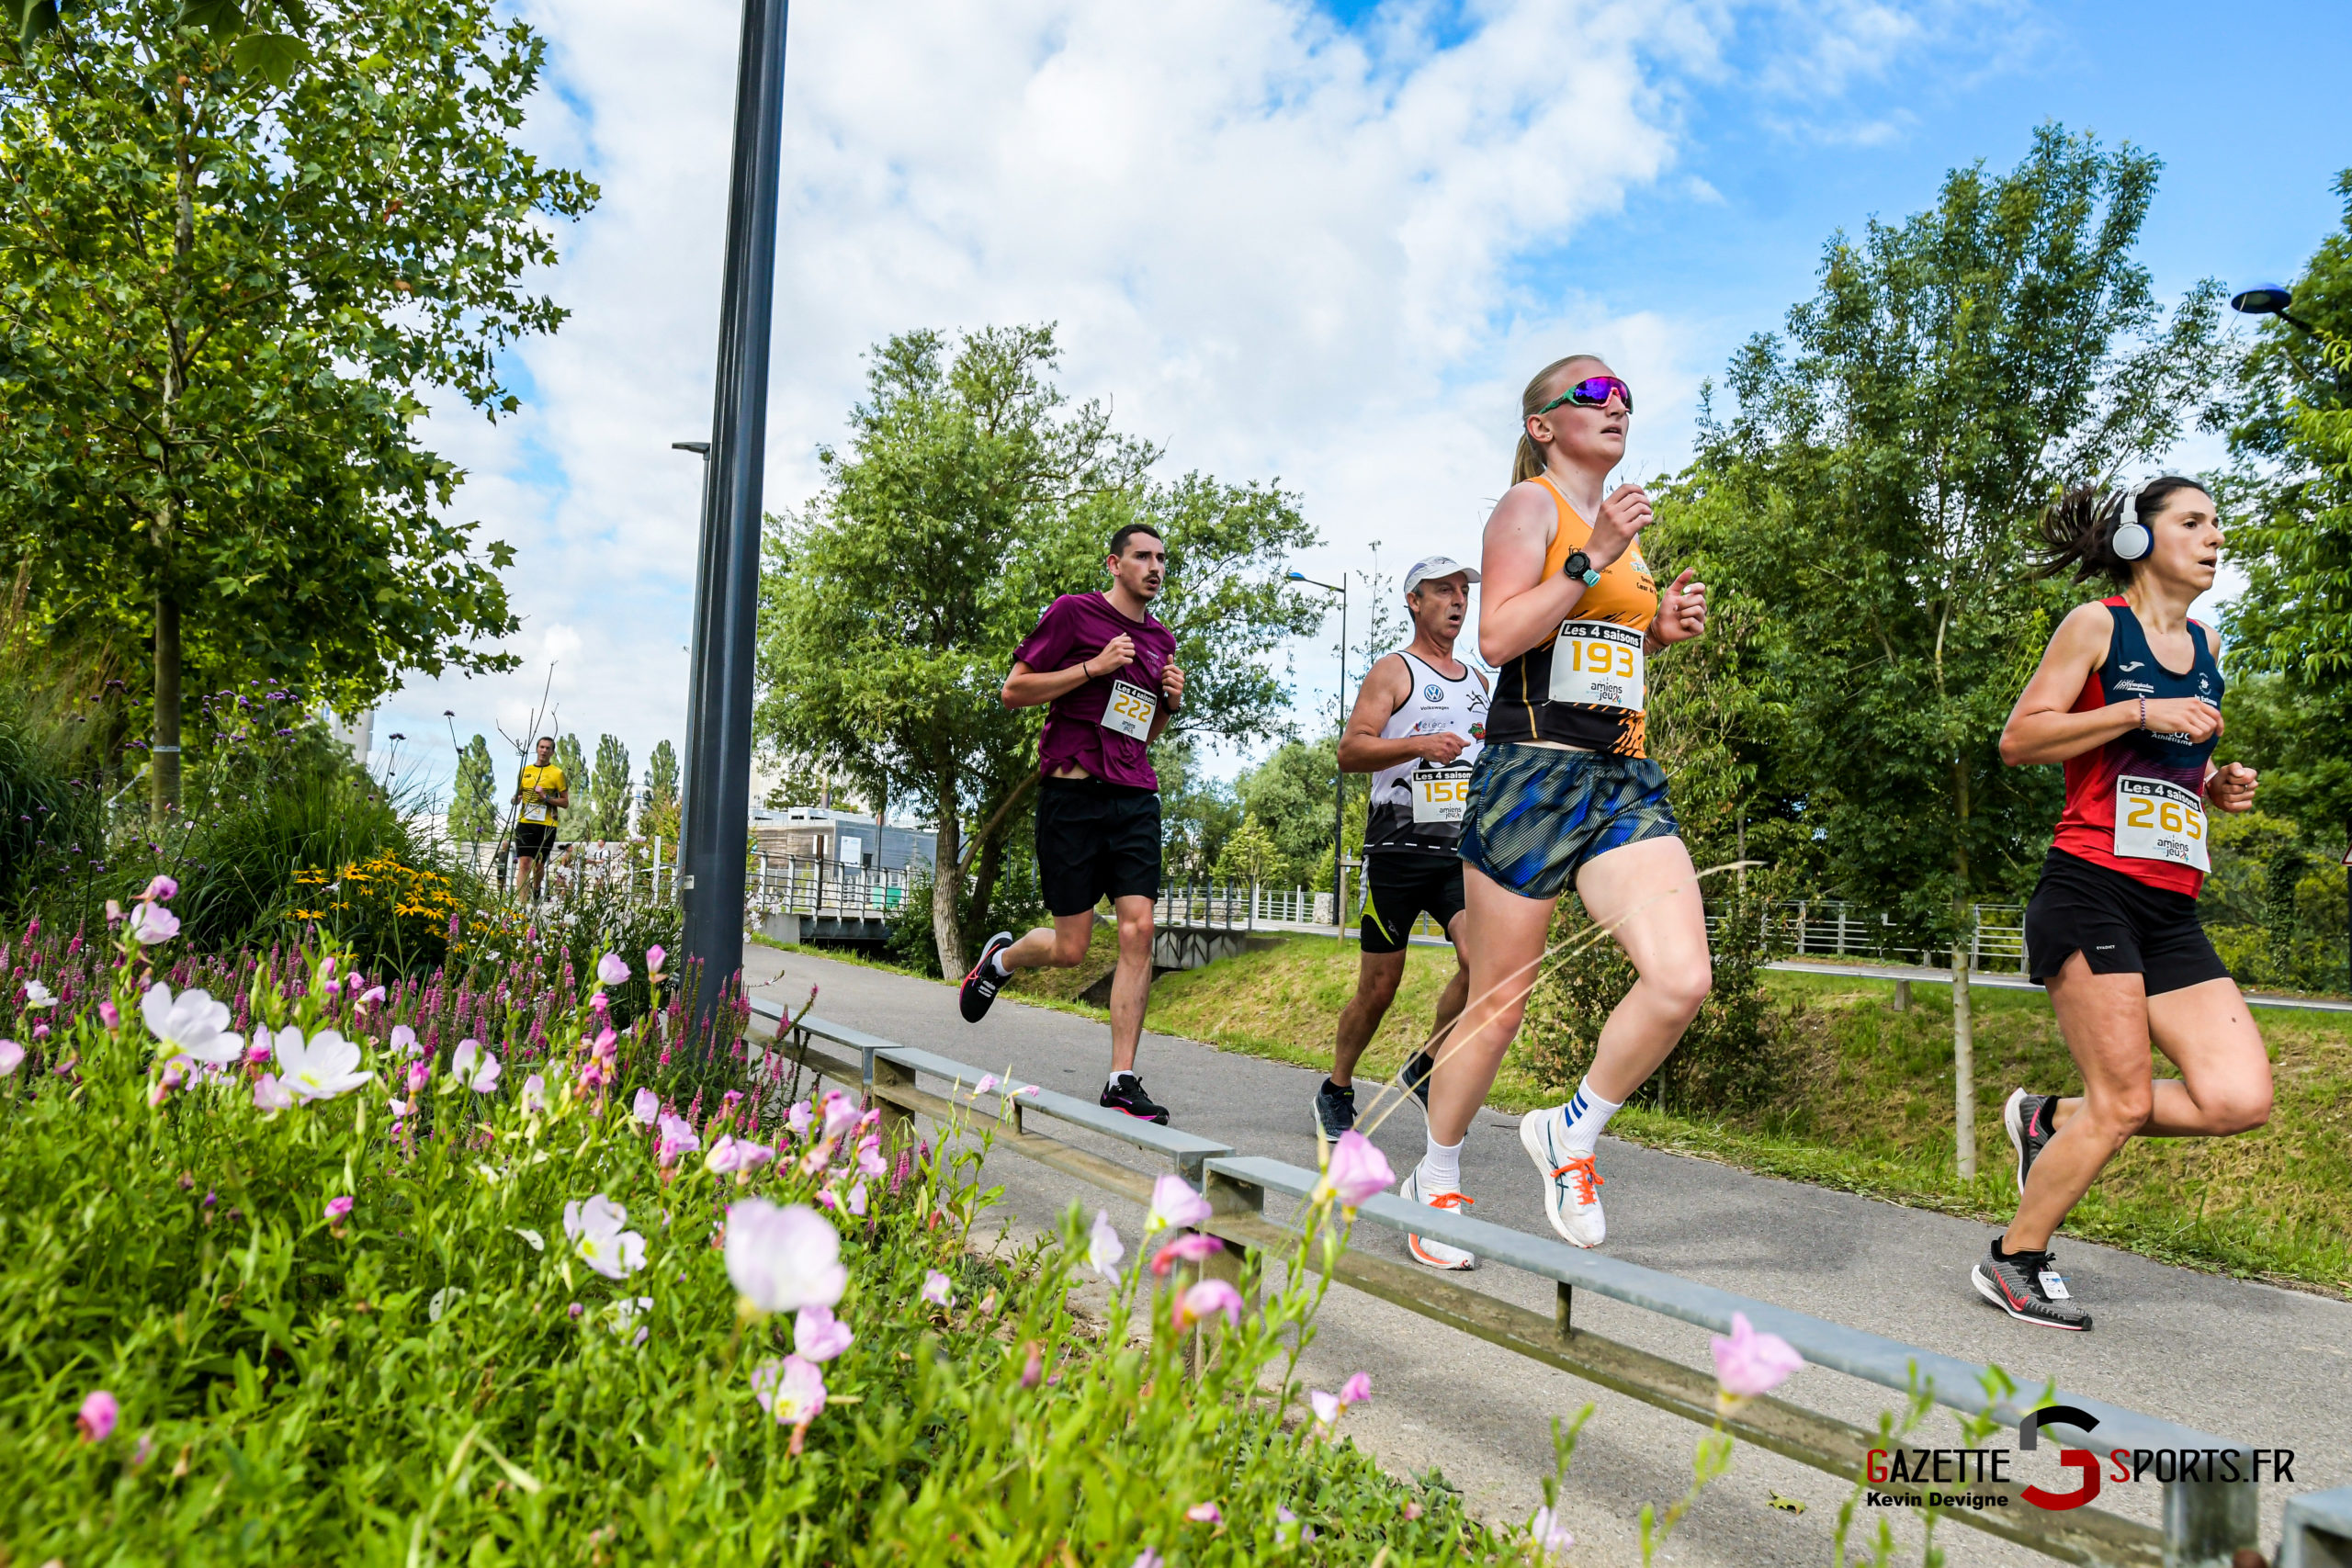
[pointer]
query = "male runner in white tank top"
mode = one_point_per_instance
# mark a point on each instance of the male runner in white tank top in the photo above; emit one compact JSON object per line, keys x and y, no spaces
{"x":1416,"y":727}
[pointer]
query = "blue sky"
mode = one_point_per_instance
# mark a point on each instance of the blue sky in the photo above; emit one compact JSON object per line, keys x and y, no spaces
{"x":1322,"y":244}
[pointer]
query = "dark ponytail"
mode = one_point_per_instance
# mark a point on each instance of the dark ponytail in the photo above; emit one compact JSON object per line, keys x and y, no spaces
{"x":2078,"y":528}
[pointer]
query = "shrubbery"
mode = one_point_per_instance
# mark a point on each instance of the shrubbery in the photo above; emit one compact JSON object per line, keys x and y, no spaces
{"x":429,"y":1270}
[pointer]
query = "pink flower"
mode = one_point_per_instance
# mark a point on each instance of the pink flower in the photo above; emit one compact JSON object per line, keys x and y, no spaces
{"x":151,"y":923}
{"x":937,"y":1289}
{"x":1147,"y":1558}
{"x":1358,"y":1170}
{"x":370,"y":997}
{"x":1033,"y":1369}
{"x":1204,"y":1514}
{"x":1749,"y":1364}
{"x":792,"y":1390}
{"x":869,"y":1157}
{"x":840,"y":1113}
{"x":855,"y":1201}
{"x":611,"y":970}
{"x":987,"y":1081}
{"x":11,"y":1057}
{"x":646,"y":1107}
{"x":1206,"y":1299}
{"x":797,"y":1119}
{"x":337,"y":1208}
{"x":162,"y":887}
{"x":1174,"y":1205}
{"x":98,"y":1415}
{"x":818,"y":1335}
{"x":654,"y":959}
{"x":1550,"y":1534}
{"x":1190,"y":1247}
{"x":676,"y":1136}
{"x":534,"y":1094}
{"x":403,"y":1040}
{"x":108,"y":1015}
{"x":595,"y":1228}
{"x":784,"y":1260}
{"x":1328,"y":1408}
{"x":270,"y":1095}
{"x":1104,"y":1248}
{"x":733,"y":1154}
{"x":420,"y":1072}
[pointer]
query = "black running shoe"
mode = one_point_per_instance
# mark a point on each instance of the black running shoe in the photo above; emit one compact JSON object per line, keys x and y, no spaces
{"x":2030,"y":1120}
{"x":1125,"y":1093}
{"x":1335,"y":1110}
{"x":1416,"y":1074}
{"x":986,"y":979}
{"x":2028,"y":1286}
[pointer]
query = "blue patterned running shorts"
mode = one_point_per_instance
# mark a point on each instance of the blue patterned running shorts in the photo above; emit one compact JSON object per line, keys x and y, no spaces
{"x":1536,"y":813}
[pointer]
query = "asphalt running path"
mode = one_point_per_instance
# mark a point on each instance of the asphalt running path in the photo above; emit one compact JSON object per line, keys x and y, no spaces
{"x":2269,"y":1367}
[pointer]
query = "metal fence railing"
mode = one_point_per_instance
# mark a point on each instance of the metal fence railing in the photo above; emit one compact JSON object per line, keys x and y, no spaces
{"x":1831,"y":927}
{"x":796,"y":884}
{"x":2204,"y":1522}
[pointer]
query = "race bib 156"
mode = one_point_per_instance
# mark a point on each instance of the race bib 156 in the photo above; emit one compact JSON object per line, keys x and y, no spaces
{"x":2156,"y":821}
{"x":1130,"y":710}
{"x":1439,"y":793}
{"x":1598,"y":663}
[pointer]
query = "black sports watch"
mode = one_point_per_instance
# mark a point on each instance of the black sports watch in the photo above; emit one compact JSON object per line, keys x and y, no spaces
{"x":1580,"y":564}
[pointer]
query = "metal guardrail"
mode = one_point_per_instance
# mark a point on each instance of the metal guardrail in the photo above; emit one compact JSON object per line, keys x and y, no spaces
{"x":2204,"y":1523}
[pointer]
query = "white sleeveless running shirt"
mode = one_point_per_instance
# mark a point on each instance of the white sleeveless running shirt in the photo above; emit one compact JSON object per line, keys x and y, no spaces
{"x":1416,"y":804}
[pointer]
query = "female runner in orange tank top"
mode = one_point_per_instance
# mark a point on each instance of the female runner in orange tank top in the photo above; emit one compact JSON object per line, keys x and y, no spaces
{"x":1563,"y":793}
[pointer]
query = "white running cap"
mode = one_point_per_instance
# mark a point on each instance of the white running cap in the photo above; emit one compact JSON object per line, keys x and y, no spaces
{"x":1437,"y":566}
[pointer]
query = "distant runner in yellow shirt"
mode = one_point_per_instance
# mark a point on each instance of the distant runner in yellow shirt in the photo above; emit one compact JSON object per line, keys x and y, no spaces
{"x":541,"y":791}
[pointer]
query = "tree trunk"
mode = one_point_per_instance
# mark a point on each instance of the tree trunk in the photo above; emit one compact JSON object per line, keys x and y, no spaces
{"x":164,"y":756}
{"x":947,"y":882}
{"x":1963,"y":1064}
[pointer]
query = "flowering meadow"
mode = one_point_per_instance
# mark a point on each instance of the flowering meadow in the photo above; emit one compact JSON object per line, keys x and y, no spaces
{"x":303,"y":1265}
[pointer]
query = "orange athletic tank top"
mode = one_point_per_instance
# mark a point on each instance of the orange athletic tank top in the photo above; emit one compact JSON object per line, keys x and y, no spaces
{"x":1585,"y":685}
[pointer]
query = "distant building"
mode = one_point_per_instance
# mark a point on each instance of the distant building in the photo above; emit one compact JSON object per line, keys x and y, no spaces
{"x":845,"y":838}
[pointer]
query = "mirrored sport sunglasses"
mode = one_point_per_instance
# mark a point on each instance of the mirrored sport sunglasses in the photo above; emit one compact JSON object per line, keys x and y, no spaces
{"x":1592,"y":392}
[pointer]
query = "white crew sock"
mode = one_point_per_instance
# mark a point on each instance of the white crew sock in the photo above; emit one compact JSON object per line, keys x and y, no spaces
{"x":1112,"y":1081}
{"x":997,"y":963}
{"x":1586,"y":1115}
{"x":1442,"y":1167}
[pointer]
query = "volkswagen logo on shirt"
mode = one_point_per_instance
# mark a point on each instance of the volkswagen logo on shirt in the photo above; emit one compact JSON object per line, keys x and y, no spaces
{"x":1434,"y":693}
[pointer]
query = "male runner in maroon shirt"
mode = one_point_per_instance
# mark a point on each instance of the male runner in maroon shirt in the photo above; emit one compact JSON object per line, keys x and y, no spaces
{"x":1108,"y":670}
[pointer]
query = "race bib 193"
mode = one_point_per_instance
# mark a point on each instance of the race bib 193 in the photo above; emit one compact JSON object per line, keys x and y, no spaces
{"x":1439,"y":793}
{"x":1130,"y":709}
{"x":2156,"y":821}
{"x":1599,"y":663}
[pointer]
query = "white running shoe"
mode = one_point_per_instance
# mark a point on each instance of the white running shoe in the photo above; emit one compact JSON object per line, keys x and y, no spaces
{"x":1571,"y":1182}
{"x":1435,"y":1254}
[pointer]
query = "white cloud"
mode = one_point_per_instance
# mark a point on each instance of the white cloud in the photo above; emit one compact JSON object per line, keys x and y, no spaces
{"x":1282,"y":247}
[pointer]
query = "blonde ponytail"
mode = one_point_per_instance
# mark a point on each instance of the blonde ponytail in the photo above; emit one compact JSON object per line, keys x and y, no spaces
{"x":1529,"y":461}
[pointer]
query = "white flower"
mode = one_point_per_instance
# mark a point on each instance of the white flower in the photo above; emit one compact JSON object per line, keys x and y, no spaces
{"x":1174,"y":1205}
{"x":1104,"y":1247}
{"x":190,"y":1024}
{"x":38,"y":996}
{"x":534,"y":1094}
{"x":596,"y":1234}
{"x":937,"y":1289}
{"x":403,"y":1041}
{"x":325,"y":1067}
{"x":784,"y":1260}
{"x":646,"y":1107}
{"x":270,"y":1095}
{"x":792,"y":1390}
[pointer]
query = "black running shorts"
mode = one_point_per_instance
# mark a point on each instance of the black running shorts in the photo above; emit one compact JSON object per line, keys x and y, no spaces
{"x":534,"y":841}
{"x":2119,"y":925}
{"x":1400,"y":886}
{"x":1095,"y":840}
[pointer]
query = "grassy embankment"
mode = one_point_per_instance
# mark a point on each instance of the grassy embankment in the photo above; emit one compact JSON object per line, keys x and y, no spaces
{"x":1868,"y":1108}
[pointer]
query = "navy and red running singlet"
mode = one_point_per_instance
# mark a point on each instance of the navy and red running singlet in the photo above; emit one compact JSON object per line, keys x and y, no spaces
{"x":2136,"y":805}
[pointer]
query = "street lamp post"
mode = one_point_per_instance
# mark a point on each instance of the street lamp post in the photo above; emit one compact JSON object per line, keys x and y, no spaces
{"x":2272,"y":299}
{"x":719,"y":724}
{"x":1338,"y":778}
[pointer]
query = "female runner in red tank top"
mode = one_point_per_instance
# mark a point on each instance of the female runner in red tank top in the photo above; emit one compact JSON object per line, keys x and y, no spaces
{"x":2129,"y":697}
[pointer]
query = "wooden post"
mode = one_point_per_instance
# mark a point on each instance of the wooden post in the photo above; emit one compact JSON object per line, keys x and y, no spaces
{"x":1903,"y":996}
{"x":898,"y":1124}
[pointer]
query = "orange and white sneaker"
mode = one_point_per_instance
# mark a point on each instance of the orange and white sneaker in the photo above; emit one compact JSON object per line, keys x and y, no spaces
{"x":1435,"y":1254}
{"x":1571,"y":1182}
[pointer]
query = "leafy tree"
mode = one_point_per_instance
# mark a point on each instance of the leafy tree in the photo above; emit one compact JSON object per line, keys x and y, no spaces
{"x":1250,"y":857}
{"x":473,"y":799}
{"x":232,"y":262}
{"x":1195,"y":814}
{"x":573,"y":818}
{"x":2290,"y":529}
{"x":1871,"y":501}
{"x":659,"y":815}
{"x":1289,"y":796}
{"x":969,"y":495}
{"x":608,"y":792}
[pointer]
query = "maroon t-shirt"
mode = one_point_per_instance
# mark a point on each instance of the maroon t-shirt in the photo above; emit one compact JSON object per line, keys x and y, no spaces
{"x":1073,"y":629}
